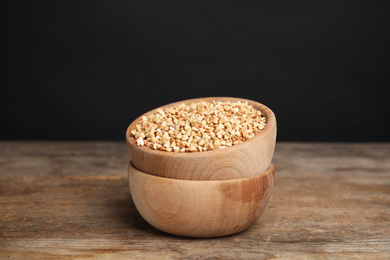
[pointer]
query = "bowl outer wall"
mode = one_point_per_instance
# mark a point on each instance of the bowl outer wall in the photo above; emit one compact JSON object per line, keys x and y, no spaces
{"x":200,"y":208}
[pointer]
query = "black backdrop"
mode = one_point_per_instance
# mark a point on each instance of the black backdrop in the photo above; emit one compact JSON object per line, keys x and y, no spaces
{"x":84,"y":70}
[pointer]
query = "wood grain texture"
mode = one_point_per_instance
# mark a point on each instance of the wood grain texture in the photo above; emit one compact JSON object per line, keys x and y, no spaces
{"x":72,"y":201}
{"x":239,"y":161}
{"x":200,"y":208}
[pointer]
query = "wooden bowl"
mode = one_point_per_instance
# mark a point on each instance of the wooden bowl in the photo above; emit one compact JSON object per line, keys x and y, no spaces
{"x":200,"y":208}
{"x":238,"y":161}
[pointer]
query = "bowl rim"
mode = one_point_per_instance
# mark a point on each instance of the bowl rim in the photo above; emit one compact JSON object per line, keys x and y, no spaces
{"x":266,"y":111}
{"x":270,"y":170}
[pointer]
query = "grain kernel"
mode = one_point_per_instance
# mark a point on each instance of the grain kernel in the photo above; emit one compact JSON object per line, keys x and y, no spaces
{"x":217,"y":144}
{"x":193,"y":149}
{"x":201,"y":142}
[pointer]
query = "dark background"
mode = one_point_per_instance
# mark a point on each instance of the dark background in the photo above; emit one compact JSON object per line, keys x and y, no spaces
{"x":84,"y":70}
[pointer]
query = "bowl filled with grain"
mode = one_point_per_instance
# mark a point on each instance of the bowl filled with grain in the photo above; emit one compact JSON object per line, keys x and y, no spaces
{"x":214,"y":138}
{"x":200,"y":208}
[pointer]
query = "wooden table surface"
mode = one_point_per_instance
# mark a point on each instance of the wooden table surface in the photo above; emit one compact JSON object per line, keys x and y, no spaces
{"x":70,"y":200}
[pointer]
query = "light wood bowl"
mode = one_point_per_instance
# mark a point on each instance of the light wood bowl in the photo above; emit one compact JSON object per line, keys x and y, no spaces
{"x":200,"y":208}
{"x":238,"y":161}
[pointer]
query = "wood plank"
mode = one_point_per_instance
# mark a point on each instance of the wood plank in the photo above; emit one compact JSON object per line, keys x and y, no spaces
{"x":67,"y":200}
{"x":63,"y":158}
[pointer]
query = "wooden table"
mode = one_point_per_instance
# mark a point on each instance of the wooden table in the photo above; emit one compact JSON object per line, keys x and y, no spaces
{"x":70,"y":200}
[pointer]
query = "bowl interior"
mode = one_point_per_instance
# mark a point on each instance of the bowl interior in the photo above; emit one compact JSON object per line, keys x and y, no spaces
{"x":267,"y":113}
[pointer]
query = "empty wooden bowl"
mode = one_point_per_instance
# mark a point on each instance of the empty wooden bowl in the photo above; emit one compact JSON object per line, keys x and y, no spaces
{"x":238,"y":161}
{"x":200,"y":208}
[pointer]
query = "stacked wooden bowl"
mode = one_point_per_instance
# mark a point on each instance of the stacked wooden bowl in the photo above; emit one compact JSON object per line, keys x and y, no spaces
{"x":204,"y":194}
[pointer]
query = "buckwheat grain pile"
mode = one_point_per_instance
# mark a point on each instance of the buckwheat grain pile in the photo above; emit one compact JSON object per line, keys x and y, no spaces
{"x":197,"y":127}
